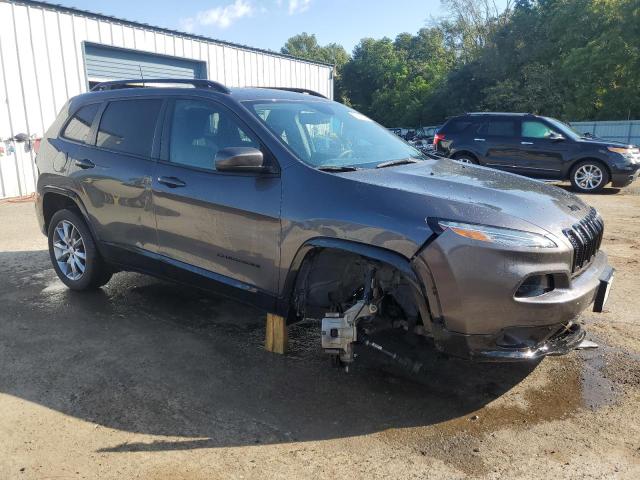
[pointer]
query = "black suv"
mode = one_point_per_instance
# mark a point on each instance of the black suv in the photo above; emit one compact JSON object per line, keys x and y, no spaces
{"x":538,"y":147}
{"x":310,"y":210}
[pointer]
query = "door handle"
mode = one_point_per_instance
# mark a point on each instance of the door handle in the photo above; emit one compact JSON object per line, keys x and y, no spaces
{"x":478,"y":140}
{"x":171,"y":182}
{"x":84,"y":164}
{"x":526,"y":143}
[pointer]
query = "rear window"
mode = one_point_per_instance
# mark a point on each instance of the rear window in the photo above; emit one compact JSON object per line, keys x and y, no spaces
{"x":79,"y":126}
{"x":128,"y":126}
{"x":499,"y":128}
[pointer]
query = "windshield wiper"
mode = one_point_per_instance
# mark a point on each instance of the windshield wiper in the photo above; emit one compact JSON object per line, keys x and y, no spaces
{"x":338,"y":168}
{"x":393,"y":163}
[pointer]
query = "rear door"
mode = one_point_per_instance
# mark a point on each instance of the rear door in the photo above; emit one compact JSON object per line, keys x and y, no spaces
{"x":114,"y":174}
{"x":222,"y":222}
{"x":499,"y":141}
{"x":542,"y":156}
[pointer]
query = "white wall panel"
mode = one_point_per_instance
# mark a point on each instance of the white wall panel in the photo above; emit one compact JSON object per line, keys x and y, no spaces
{"x":104,"y":28}
{"x":117,"y":35}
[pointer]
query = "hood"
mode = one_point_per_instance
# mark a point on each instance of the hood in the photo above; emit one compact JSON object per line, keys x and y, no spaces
{"x":448,"y":189}
{"x":600,"y":142}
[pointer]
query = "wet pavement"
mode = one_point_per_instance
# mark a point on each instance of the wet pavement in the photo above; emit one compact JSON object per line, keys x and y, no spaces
{"x":148,"y":379}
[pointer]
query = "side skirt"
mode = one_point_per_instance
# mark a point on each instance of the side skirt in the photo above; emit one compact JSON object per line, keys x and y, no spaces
{"x":160,"y":266}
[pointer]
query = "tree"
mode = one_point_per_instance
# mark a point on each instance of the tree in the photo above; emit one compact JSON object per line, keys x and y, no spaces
{"x":306,"y":46}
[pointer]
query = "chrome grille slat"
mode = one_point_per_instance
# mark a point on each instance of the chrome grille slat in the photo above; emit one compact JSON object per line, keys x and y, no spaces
{"x":586,"y":238}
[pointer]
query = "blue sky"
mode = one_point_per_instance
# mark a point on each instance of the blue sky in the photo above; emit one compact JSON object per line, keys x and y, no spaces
{"x":269,"y":23}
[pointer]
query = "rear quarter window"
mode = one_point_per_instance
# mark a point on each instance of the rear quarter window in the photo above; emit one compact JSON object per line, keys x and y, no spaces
{"x":499,"y":127}
{"x":457,"y":125}
{"x":79,"y":126}
{"x":128,"y":126}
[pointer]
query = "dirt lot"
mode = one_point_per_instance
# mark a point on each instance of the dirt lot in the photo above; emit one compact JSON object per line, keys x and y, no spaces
{"x":146,"y":379}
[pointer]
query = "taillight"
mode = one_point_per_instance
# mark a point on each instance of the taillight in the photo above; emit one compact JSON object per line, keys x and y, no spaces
{"x":436,"y":138}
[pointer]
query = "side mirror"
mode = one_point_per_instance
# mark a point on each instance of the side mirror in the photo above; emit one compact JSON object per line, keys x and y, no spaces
{"x":241,"y":159}
{"x":556,"y":137}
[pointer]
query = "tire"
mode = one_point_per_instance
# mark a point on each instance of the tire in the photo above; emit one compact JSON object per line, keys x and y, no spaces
{"x":589,"y":176}
{"x":465,"y":158}
{"x":70,"y":240}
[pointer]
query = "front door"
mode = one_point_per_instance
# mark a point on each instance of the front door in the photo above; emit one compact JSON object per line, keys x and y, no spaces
{"x":542,"y":154}
{"x":222,"y":222}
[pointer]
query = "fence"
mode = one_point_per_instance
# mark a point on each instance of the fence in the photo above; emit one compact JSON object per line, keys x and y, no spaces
{"x":627,"y":131}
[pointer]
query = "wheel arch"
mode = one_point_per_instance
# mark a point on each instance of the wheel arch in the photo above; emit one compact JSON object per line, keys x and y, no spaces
{"x":55,"y":199}
{"x":297,"y":273}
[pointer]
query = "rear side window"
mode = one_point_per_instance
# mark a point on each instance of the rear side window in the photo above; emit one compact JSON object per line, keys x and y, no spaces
{"x":499,"y":128}
{"x":128,"y":126}
{"x":457,"y":125}
{"x":79,"y":126}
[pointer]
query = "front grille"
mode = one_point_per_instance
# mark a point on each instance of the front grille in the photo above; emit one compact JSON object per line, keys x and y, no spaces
{"x":586,"y":237}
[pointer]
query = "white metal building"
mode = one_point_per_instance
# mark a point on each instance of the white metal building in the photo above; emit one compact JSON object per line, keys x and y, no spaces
{"x":49,"y":53}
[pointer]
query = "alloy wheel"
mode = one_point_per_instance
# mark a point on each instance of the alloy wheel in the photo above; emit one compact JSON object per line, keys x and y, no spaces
{"x":588,"y":177}
{"x":69,"y":250}
{"x":464,"y":160}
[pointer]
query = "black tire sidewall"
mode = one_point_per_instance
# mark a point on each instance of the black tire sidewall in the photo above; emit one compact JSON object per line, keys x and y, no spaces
{"x":93,"y":263}
{"x":605,"y":177}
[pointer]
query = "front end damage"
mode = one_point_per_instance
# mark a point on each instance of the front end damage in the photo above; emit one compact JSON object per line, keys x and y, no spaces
{"x":474,"y":300}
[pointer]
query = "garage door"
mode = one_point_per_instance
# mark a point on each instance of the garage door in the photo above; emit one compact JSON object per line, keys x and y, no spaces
{"x":108,"y":63}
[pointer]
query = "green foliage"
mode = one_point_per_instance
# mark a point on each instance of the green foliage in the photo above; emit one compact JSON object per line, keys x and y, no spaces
{"x":572,"y":59}
{"x":306,"y":46}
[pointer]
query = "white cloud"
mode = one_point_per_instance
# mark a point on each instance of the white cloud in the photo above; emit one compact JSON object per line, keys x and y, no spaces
{"x":298,"y":6}
{"x":221,"y":17}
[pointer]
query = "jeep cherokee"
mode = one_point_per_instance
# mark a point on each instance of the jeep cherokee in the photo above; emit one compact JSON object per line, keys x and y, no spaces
{"x":308,"y":209}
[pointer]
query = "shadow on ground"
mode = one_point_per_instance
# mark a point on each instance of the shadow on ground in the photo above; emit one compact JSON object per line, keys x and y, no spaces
{"x":150,"y":357}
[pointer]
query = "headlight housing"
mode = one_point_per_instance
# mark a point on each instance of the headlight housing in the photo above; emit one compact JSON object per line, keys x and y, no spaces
{"x":506,"y":237}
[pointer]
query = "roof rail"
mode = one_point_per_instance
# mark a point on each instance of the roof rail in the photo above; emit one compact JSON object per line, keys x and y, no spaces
{"x":306,"y":91}
{"x":142,"y":82}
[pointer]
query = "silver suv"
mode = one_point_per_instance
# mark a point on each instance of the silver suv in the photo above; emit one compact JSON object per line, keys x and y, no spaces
{"x":309,"y":209}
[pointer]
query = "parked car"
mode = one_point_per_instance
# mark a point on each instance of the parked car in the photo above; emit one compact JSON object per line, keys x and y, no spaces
{"x":308,"y":209}
{"x":538,"y":147}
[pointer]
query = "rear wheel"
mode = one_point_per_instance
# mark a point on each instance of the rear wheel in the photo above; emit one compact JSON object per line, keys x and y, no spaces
{"x":465,"y":158}
{"x":73,"y":252}
{"x":589,"y":176}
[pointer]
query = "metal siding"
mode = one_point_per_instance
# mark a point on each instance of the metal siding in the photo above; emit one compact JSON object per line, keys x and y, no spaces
{"x":105,"y":63}
{"x":42,"y":64}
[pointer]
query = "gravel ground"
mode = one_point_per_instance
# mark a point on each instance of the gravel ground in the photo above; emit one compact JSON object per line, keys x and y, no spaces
{"x":146,"y":379}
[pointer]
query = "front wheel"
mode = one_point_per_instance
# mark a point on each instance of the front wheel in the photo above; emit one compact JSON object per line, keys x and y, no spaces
{"x":73,"y":252}
{"x":589,"y":177}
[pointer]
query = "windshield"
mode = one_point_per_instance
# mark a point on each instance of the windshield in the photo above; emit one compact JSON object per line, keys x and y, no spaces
{"x":330,"y":135}
{"x":565,"y":129}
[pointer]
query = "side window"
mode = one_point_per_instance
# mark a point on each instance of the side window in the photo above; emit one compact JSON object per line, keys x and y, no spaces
{"x":128,"y":126}
{"x":533,"y":129}
{"x":498,"y":128}
{"x":80,"y":124}
{"x":457,"y":125}
{"x":200,"y":129}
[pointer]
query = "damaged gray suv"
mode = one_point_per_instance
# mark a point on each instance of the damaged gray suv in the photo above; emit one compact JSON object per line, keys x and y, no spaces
{"x":308,"y":209}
